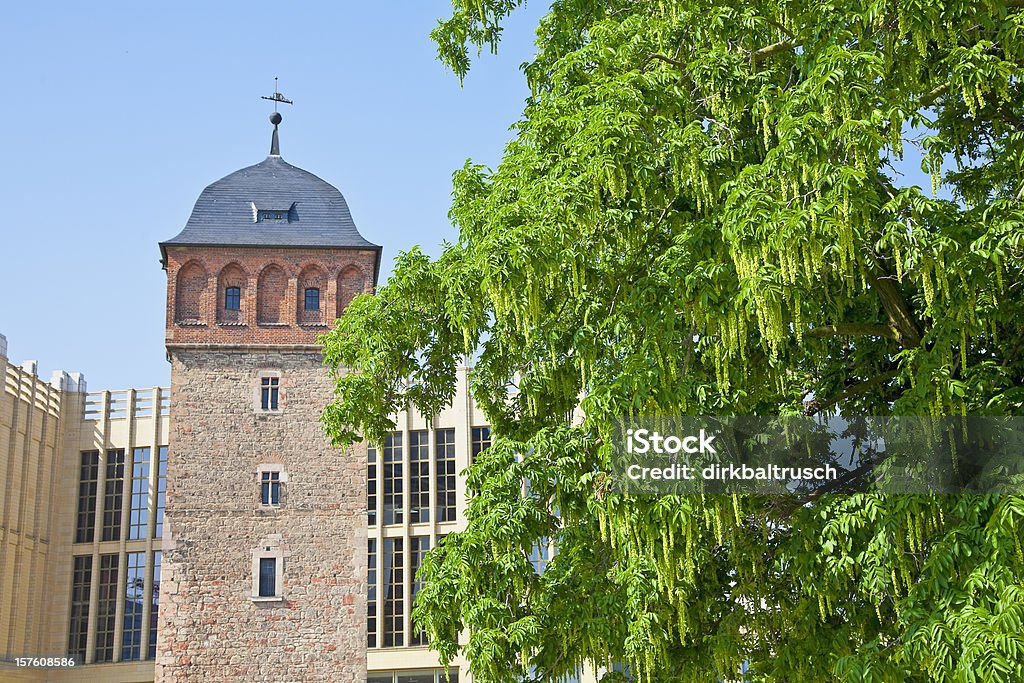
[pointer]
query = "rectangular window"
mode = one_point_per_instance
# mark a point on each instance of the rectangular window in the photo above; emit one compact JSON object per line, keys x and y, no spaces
{"x":540,"y":555}
{"x":134,"y":597}
{"x":419,"y":476}
{"x":371,"y":592}
{"x":113,"y":496}
{"x":106,"y":608}
{"x":268,"y":577}
{"x":392,"y":472}
{"x":154,"y":612}
{"x":161,"y":491}
{"x":480,"y":441}
{"x":80,"y":583}
{"x":394,"y":593}
{"x":371,"y":485}
{"x":88,"y":482}
{"x":419,"y":545}
{"x":269,"y":392}
{"x":270,"y":488}
{"x":232,"y":299}
{"x":138,"y":521}
{"x":444,"y":453}
{"x":312,"y":299}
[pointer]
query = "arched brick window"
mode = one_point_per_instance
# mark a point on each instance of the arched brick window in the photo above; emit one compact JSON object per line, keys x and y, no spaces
{"x":270,"y":296}
{"x":351,"y":281}
{"x":192,"y":282}
{"x":311,"y":299}
{"x":231,"y":294}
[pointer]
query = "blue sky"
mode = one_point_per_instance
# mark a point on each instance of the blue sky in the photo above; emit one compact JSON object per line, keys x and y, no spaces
{"x":118,"y":114}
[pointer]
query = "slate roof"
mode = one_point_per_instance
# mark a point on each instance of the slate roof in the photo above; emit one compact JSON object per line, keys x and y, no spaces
{"x":318,"y":215}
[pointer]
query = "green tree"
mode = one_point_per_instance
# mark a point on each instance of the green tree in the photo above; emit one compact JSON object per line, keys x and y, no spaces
{"x":701,"y":213}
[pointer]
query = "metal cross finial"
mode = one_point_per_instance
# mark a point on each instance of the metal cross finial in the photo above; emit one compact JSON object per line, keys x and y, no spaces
{"x":276,"y":97}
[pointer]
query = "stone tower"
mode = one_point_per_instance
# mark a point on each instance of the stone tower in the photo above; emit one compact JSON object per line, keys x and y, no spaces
{"x":264,"y":564}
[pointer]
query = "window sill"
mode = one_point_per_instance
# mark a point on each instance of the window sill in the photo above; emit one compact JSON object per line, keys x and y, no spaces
{"x":323,"y":325}
{"x":272,"y":324}
{"x":224,"y":323}
{"x":267,"y":598}
{"x":190,"y":323}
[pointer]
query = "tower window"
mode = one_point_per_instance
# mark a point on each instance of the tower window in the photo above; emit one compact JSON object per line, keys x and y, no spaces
{"x":270,"y":488}
{"x":268,"y":577}
{"x":232,"y":299}
{"x":312,"y":299}
{"x":269,"y":392}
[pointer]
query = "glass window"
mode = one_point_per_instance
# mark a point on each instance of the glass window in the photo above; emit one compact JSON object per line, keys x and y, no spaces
{"x":270,"y":488}
{"x":161,"y":491}
{"x":88,"y":482}
{"x":419,"y":545}
{"x":113,"y":496}
{"x":371,"y":592}
{"x":480,"y":441}
{"x":312,"y":299}
{"x":138,"y":521}
{"x":392,"y":472}
{"x":268,"y":576}
{"x":79,"y":630}
{"x":155,"y":610}
{"x":540,"y":555}
{"x":232,"y":299}
{"x":106,"y":608}
{"x":419,"y":476}
{"x":371,"y":485}
{"x":270,"y":388}
{"x":444,"y":452}
{"x":394,"y":593}
{"x":134,"y":597}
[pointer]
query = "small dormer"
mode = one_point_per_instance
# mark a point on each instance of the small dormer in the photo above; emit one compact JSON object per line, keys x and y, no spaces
{"x":272,"y":214}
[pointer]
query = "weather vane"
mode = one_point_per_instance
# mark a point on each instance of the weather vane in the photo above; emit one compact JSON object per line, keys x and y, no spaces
{"x":276,"y":97}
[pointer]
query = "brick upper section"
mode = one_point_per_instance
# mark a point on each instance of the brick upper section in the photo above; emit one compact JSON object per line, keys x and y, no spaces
{"x":272,"y":283}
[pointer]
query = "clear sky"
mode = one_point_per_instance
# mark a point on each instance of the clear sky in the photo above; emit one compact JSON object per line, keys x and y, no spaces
{"x":117,"y":114}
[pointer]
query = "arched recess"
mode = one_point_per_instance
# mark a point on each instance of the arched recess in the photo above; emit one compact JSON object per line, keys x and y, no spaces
{"x":312,"y":296}
{"x":351,"y":281}
{"x":270,"y":295}
{"x":188,"y":293}
{"x":231,"y":304}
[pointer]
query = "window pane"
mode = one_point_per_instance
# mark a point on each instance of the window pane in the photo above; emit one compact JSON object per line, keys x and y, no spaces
{"x":106,"y":608}
{"x":268,"y":576}
{"x":79,"y":629}
{"x":444,"y":453}
{"x":418,"y":550}
{"x":481,"y":441}
{"x":371,"y":485}
{"x":161,"y":491}
{"x":312,"y":299}
{"x":134,"y":596}
{"x":232,"y":299}
{"x":392,"y":470}
{"x":371,"y":592}
{"x":419,"y":476}
{"x":88,"y":478}
{"x":155,"y":609}
{"x":113,"y":495}
{"x":139,"y":521}
{"x":394,"y":593}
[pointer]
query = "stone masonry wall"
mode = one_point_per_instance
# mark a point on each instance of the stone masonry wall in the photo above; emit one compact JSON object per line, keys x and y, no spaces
{"x":210,"y":627}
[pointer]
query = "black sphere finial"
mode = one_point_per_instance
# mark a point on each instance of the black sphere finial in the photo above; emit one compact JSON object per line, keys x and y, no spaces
{"x":275,"y":118}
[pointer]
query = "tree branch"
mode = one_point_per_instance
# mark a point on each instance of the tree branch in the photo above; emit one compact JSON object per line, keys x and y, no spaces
{"x":769,"y":51}
{"x":853,"y":330}
{"x":815,"y":407}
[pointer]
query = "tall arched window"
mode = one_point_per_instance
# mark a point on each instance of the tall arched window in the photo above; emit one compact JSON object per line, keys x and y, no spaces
{"x":310,"y":302}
